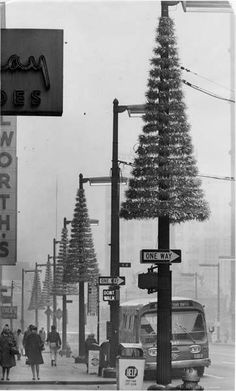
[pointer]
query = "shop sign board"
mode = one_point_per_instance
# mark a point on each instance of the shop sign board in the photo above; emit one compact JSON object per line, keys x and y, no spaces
{"x":31,"y":72}
{"x":8,"y":191}
{"x":8,"y":312}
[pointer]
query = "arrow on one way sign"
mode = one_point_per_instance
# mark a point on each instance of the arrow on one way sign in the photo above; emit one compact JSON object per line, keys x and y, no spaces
{"x":111,"y":280}
{"x":160,"y":256}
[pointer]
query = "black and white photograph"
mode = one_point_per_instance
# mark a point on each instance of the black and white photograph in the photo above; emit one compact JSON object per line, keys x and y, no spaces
{"x":117,"y":195}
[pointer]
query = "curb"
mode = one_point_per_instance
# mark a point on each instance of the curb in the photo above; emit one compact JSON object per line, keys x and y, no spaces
{"x":60,"y":382}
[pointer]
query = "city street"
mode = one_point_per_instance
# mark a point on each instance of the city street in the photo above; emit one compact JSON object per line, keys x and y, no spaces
{"x":117,"y":193}
{"x":68,"y":375}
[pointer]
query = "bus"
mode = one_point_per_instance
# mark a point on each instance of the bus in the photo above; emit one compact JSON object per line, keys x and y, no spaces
{"x":138,"y":324}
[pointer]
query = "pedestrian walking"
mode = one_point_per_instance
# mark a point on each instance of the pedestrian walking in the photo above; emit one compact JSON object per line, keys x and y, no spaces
{"x":8,"y":350}
{"x":26,"y":333}
{"x":19,"y":343}
{"x":42,"y":334}
{"x":33,"y":350}
{"x":54,"y":341}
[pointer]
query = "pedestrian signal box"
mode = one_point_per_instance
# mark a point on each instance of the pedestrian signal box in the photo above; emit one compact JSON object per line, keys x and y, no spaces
{"x":147,"y":280}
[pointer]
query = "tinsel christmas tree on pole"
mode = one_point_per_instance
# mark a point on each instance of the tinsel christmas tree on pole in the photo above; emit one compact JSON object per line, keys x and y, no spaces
{"x":36,"y":296}
{"x":165,"y":164}
{"x":60,"y":287}
{"x":82,"y":264}
{"x":46,"y":296}
{"x":165,"y":183}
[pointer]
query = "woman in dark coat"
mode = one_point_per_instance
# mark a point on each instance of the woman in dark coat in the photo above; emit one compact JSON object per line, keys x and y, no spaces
{"x":33,"y":350}
{"x":7,"y":358}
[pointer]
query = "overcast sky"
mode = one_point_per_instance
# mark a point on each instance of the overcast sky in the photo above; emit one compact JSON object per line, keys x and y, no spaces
{"x":107,"y":47}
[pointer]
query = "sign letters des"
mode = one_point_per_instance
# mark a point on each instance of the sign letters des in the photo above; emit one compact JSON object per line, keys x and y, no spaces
{"x":31,"y":72}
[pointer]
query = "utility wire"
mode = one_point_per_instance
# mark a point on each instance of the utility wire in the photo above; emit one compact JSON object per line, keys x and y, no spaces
{"x":206,"y":91}
{"x":222,"y":178}
{"x":206,"y":78}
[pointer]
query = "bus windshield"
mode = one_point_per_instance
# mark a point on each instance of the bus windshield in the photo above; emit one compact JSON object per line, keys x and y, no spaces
{"x":186,"y":325}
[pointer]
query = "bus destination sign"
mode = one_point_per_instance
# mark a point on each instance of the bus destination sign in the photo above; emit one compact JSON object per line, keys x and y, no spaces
{"x":160,"y":256}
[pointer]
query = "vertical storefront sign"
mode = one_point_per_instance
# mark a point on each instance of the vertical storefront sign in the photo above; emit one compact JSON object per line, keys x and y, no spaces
{"x":8,"y":191}
{"x":92,"y":299}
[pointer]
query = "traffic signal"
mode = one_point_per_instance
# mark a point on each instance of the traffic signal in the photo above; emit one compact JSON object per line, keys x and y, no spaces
{"x":147,"y":280}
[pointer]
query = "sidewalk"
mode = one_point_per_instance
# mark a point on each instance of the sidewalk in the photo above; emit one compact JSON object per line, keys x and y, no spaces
{"x":66,"y":372}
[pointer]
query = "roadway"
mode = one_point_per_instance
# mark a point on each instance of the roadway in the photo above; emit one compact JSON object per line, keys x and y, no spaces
{"x":219,"y":376}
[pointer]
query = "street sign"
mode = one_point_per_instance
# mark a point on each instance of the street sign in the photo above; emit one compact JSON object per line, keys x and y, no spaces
{"x":69,"y":301}
{"x":160,"y":256}
{"x":59,"y":313}
{"x":48,"y":312}
{"x":125,"y":264}
{"x":8,"y":312}
{"x":111,"y":280}
{"x":111,"y":294}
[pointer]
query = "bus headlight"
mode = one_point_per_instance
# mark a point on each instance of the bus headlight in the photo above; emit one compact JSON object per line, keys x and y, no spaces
{"x":195,"y":349}
{"x":152,"y":352}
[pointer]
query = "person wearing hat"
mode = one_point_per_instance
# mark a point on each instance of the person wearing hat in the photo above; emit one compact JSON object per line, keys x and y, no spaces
{"x":33,"y":350}
{"x":7,"y":357}
{"x":26,"y":333}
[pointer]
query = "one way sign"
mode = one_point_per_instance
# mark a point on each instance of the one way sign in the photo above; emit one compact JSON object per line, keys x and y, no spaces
{"x":160,"y":256}
{"x":111,"y":280}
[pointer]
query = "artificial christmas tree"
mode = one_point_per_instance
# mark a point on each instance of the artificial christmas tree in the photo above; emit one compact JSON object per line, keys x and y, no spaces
{"x":46,"y":296}
{"x":60,"y":287}
{"x":82,"y":264}
{"x":35,"y":299}
{"x":165,"y":176}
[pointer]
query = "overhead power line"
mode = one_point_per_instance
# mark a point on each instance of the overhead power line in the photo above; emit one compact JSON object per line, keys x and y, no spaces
{"x":205,"y":78}
{"x":222,"y":178}
{"x":207,"y":92}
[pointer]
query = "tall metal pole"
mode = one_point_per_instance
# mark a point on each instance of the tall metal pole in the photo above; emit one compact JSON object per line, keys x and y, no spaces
{"x":11,"y":320}
{"x":36,"y":296}
{"x":98,"y":314}
{"x":22,"y":299}
{"x":218,"y":302}
{"x":115,"y":237}
{"x":196,"y":290}
{"x":163,"y":373}
{"x":232,"y":161}
{"x":81,"y":303}
{"x":54,"y":305}
{"x":64,"y":311}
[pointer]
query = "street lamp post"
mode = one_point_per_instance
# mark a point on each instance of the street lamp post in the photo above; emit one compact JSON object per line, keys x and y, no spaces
{"x":55,"y":242}
{"x":115,"y":224}
{"x":217,"y":265}
{"x":48,"y":310}
{"x":115,"y":181}
{"x":64,"y":310}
